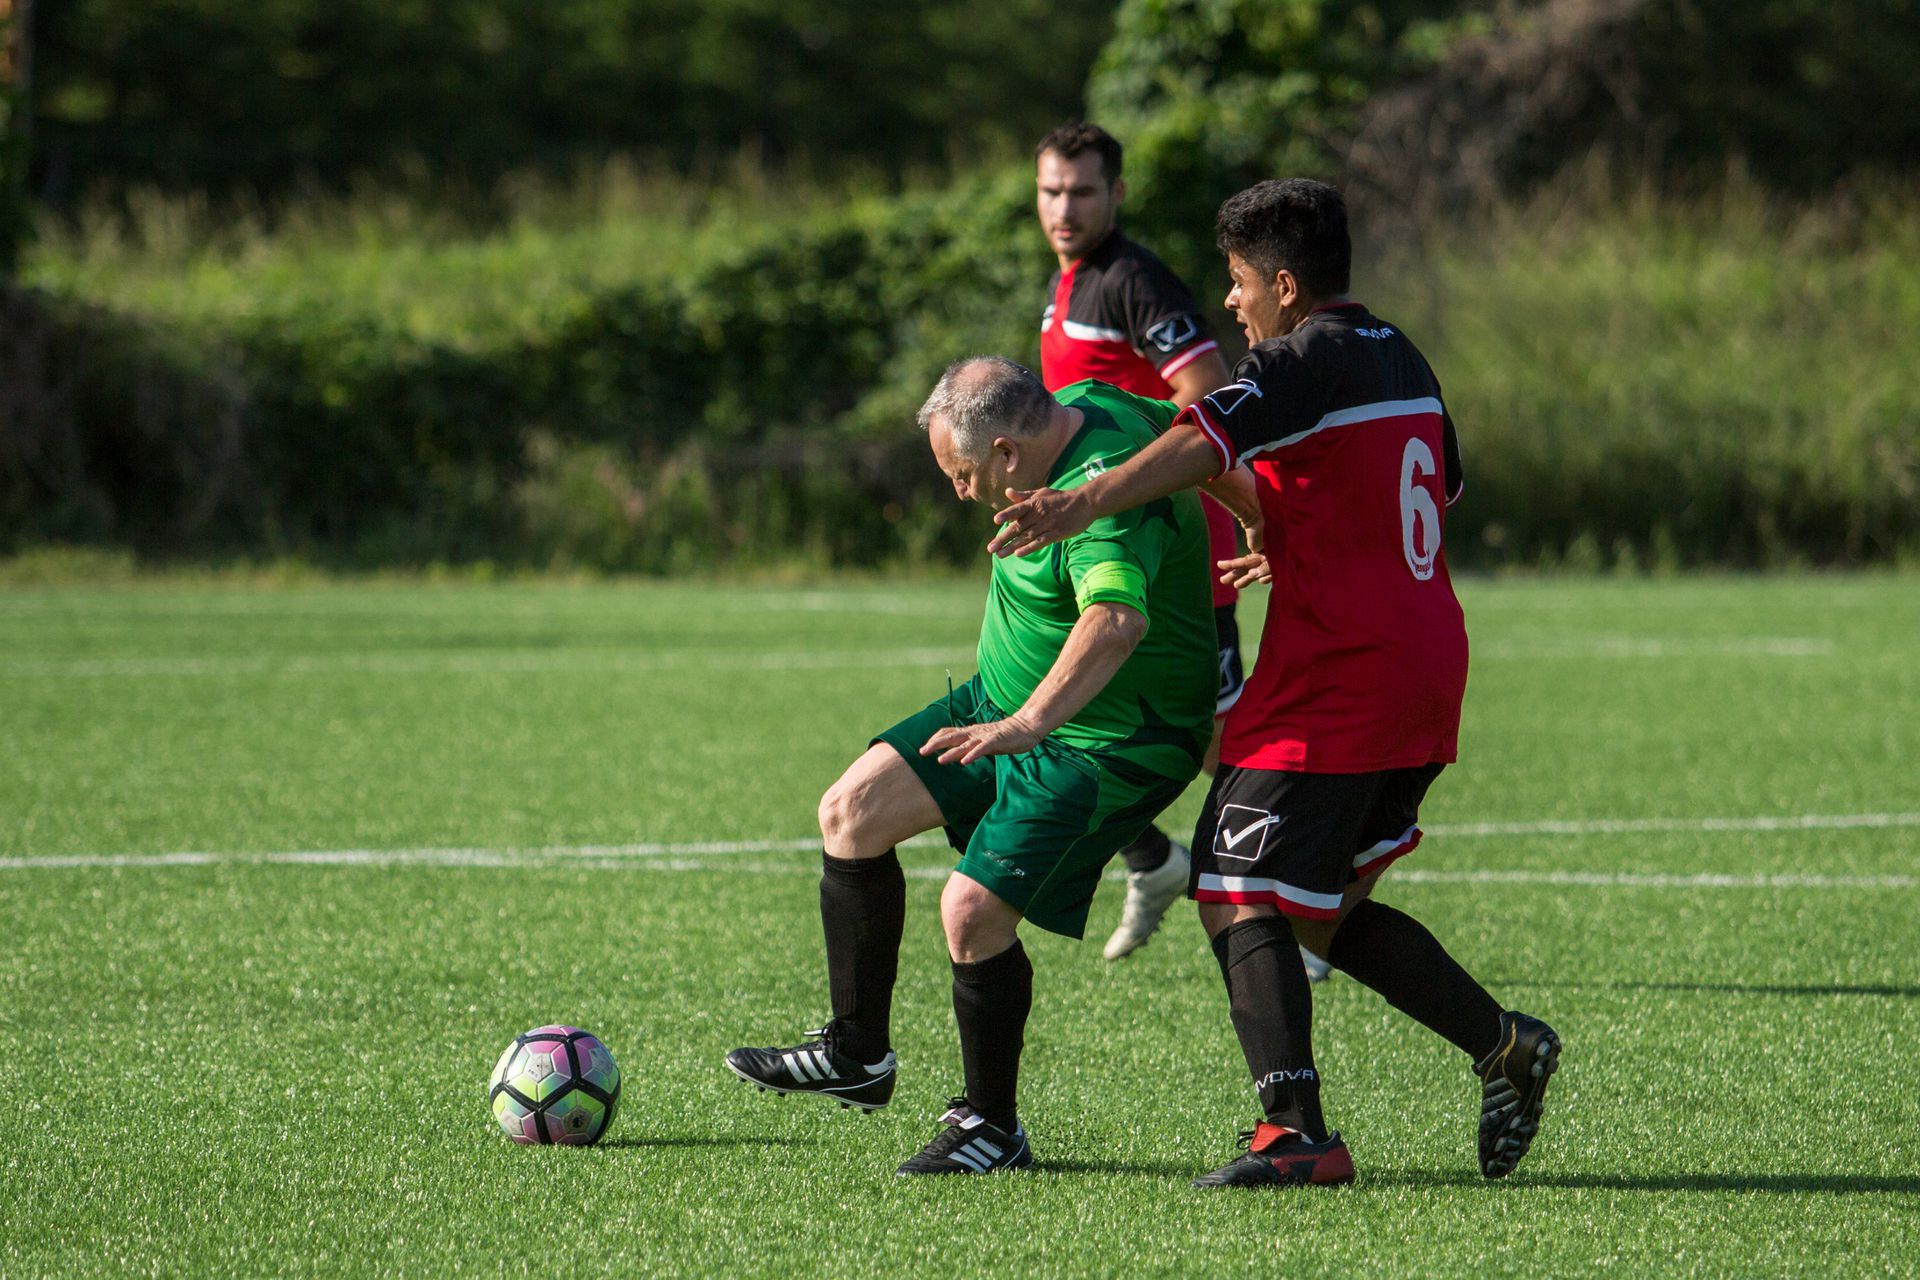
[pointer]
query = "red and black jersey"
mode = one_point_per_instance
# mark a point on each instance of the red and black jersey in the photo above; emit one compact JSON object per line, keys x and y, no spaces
{"x":1120,"y":315}
{"x":1363,"y":660}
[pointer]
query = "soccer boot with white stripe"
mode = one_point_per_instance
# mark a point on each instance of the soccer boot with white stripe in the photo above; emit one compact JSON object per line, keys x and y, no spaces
{"x":1513,"y":1086}
{"x":817,"y":1067}
{"x":1149,"y":894}
{"x":1281,"y":1157}
{"x":970,"y":1145}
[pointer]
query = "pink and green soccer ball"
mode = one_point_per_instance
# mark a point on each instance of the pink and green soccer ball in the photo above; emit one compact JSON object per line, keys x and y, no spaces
{"x":555,"y":1085}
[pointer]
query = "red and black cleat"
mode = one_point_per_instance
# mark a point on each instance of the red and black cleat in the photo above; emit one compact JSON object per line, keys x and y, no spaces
{"x":1281,"y":1157}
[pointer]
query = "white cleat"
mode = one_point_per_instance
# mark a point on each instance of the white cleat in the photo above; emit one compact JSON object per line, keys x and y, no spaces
{"x":1149,"y":894}
{"x":1317,"y":969}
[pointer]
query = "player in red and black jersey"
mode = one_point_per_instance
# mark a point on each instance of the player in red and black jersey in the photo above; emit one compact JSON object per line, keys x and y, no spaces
{"x":1354,"y":705}
{"x":1118,"y":314}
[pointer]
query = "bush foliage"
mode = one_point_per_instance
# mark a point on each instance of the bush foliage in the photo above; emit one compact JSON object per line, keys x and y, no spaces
{"x":627,"y":373}
{"x":262,"y":96}
{"x":1650,"y":383}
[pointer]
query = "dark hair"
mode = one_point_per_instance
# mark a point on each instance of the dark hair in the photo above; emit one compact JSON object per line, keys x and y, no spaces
{"x":982,"y":397}
{"x":1072,"y":139}
{"x":1294,"y":223}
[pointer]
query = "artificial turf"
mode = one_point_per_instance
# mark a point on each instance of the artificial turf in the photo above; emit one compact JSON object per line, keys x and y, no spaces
{"x":242,"y":1062}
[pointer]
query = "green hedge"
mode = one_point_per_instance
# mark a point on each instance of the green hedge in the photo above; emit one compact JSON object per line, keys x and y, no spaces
{"x":1722,"y":383}
{"x":782,"y":370}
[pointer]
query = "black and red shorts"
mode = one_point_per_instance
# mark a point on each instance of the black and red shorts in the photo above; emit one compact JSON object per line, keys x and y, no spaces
{"x":1296,"y":840}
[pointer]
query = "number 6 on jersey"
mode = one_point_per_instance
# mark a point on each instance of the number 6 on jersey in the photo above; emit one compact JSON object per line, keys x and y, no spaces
{"x":1418,"y":509}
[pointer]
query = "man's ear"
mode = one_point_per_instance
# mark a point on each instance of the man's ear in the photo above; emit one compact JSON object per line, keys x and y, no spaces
{"x":1008,"y":448}
{"x":1286,"y":287}
{"x":1119,"y":191}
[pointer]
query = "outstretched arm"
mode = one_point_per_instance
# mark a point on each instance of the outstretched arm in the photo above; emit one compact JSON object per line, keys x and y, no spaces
{"x":1104,"y":637}
{"x":1180,"y":459}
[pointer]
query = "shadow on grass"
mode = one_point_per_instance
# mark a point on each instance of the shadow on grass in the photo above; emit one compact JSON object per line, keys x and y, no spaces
{"x":1773,"y":1183}
{"x":1129,"y":1168}
{"x":751,"y":1140}
{"x":1730,"y":988}
{"x":1809,"y":989}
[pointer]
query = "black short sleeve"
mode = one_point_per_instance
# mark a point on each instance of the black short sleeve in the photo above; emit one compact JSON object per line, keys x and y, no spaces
{"x":1163,"y":322}
{"x":1276,"y":394}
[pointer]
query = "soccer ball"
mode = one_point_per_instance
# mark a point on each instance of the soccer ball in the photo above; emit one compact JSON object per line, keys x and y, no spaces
{"x":555,"y":1084}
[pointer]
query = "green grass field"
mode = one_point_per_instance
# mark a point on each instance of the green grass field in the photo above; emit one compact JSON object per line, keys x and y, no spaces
{"x":283,"y":871}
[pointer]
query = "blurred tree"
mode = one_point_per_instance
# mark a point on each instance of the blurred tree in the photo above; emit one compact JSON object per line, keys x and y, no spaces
{"x":226,"y":95}
{"x":1435,"y":103}
{"x":16,"y":63}
{"x":1212,"y":95}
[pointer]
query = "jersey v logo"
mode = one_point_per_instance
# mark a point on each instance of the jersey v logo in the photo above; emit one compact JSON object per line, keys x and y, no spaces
{"x":1229,"y":398}
{"x":1228,"y":843}
{"x":1173,"y":333}
{"x":1232,"y":840}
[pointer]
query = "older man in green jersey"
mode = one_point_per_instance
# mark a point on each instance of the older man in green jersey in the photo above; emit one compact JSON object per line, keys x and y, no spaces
{"x":1091,"y":712}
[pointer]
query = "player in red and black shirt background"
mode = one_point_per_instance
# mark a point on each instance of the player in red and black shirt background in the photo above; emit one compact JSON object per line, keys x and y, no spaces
{"x":1115,"y":312}
{"x":1354,"y":705}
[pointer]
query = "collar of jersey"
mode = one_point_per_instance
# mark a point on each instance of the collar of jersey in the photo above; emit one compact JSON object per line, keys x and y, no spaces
{"x":1060,"y":467}
{"x":1108,"y":246}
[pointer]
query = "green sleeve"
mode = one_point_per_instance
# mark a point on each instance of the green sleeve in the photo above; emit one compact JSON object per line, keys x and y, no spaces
{"x":1118,"y":556}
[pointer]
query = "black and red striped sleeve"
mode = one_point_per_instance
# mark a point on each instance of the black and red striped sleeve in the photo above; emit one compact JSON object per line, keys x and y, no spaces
{"x":1163,"y":322}
{"x":1273,"y":398}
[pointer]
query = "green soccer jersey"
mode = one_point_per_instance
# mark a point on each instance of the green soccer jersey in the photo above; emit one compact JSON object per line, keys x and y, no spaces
{"x":1157,"y":711}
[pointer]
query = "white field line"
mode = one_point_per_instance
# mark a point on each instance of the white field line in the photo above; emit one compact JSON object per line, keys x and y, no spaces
{"x":491,"y":661}
{"x":699,"y":855}
{"x":1647,"y":647}
{"x":1632,"y":826}
{"x":487,"y":662}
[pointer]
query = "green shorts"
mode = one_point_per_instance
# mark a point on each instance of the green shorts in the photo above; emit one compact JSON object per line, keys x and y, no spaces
{"x":1036,"y":829}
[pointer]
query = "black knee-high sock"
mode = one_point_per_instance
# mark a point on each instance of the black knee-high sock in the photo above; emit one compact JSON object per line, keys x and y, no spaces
{"x":1272,"y":1010}
{"x":863,"y":907}
{"x":991,"y":1000}
{"x":1394,"y":954}
{"x":1149,"y":850}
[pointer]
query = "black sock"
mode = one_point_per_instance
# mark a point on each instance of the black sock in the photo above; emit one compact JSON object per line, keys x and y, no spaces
{"x":1272,"y":1010}
{"x":1394,"y":954}
{"x":1149,"y":850}
{"x":991,"y":1000}
{"x":863,"y":907}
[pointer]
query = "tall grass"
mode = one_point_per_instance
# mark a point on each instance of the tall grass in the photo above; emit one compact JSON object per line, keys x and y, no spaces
{"x":1730,"y":378}
{"x":465,"y":268}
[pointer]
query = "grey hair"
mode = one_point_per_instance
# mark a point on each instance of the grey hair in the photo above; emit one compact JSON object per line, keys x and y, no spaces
{"x":983,"y":397}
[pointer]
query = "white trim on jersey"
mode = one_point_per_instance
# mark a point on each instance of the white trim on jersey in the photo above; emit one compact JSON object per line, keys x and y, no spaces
{"x":1187,"y":357}
{"x":1401,"y":843}
{"x":1378,"y":411}
{"x":1090,"y":333}
{"x":1261,"y":884}
{"x":1215,"y":437}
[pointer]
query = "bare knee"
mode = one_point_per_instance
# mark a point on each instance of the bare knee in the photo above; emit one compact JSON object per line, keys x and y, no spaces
{"x":836,"y":817}
{"x":979,"y":923}
{"x":845,"y":820}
